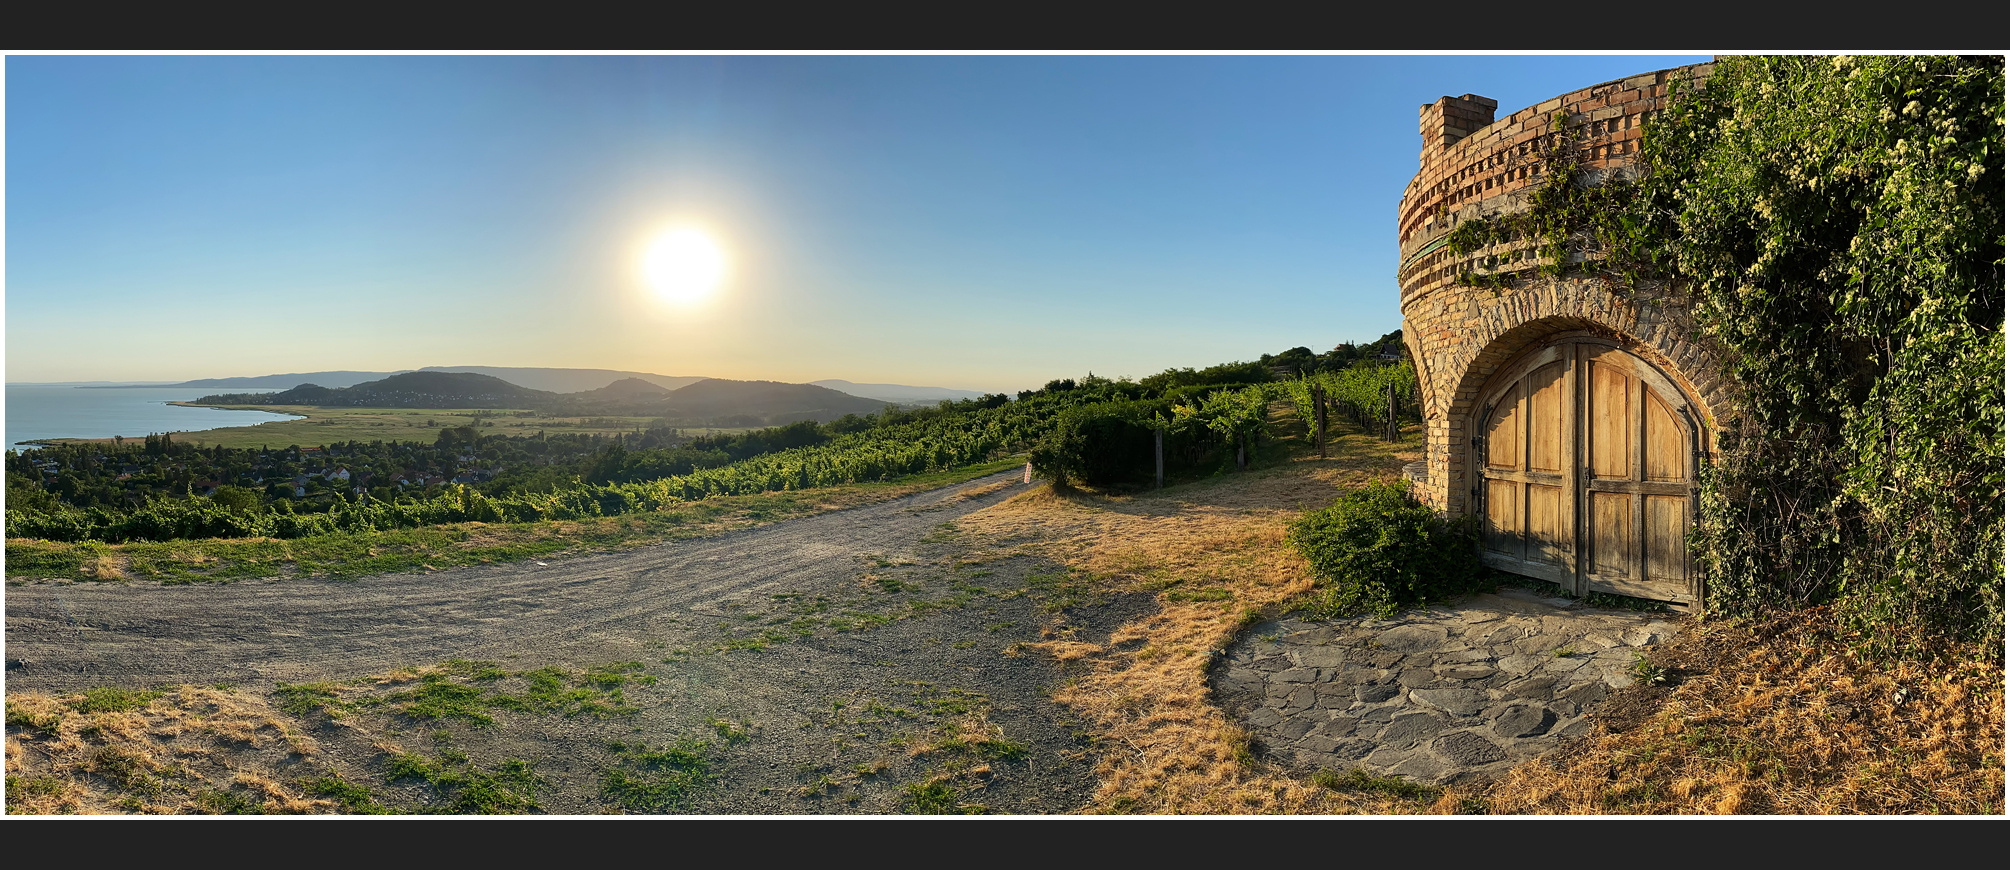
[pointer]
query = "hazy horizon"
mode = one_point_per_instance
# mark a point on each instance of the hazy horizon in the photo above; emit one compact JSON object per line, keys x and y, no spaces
{"x":974,"y":222}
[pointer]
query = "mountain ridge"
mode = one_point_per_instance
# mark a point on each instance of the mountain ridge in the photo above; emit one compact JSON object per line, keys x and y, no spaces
{"x":897,"y":393}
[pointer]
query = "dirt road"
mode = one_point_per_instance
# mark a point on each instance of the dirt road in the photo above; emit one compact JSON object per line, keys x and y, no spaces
{"x":586,"y":608}
{"x":849,"y":644}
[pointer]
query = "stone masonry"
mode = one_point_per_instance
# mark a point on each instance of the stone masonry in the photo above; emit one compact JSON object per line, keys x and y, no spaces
{"x":1473,"y":165}
{"x":1434,"y":695}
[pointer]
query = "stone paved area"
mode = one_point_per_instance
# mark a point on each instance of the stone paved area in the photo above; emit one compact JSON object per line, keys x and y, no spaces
{"x":1434,"y":695}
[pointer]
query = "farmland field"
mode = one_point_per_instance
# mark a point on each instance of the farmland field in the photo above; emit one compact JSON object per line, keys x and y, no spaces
{"x":324,"y":426}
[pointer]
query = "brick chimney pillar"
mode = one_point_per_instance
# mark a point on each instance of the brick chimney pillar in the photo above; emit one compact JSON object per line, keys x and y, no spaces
{"x":1450,"y":119}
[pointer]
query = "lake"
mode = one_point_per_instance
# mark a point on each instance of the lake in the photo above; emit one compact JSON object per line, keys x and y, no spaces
{"x":38,"y":411}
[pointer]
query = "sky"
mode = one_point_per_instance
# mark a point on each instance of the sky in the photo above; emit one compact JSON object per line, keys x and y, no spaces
{"x":978,"y":222}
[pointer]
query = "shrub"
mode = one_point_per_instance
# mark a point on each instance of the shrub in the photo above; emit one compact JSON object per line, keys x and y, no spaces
{"x":1377,"y":550}
{"x":1099,"y":444}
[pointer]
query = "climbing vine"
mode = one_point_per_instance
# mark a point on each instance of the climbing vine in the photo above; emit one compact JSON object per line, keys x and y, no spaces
{"x":1573,"y":218}
{"x":1836,"y":226}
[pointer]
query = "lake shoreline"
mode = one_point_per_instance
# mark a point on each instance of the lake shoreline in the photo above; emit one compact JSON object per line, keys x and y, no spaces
{"x":48,"y":415}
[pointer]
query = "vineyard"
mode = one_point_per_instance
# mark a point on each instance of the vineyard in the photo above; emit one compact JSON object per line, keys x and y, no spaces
{"x":1096,"y":430}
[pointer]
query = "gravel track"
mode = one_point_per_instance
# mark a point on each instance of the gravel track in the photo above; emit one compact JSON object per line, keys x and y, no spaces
{"x":585,"y":608}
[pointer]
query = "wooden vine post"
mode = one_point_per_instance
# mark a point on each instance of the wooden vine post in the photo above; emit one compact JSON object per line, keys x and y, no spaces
{"x":1319,"y":418}
{"x":1159,"y":455}
{"x":1392,"y":411}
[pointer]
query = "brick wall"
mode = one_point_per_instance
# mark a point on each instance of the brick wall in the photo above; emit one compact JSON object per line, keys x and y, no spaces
{"x":1473,"y":166}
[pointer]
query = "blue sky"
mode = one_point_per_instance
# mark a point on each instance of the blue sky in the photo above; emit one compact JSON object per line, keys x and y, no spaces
{"x":979,"y":222}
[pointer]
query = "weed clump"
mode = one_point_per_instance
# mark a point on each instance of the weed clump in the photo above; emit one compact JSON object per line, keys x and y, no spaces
{"x":657,"y":779}
{"x":1378,"y":550}
{"x":1361,"y":780}
{"x":466,"y":789}
{"x":110,"y":699}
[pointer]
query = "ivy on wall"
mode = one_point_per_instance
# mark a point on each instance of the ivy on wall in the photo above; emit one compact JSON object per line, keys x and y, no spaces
{"x":1837,"y":225}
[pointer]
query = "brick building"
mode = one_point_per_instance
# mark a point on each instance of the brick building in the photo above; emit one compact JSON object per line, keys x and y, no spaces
{"x":1569,"y":416}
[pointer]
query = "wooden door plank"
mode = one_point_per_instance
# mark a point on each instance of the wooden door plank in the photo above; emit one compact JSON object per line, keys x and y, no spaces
{"x":1504,"y":448}
{"x":1545,"y":419}
{"x":1548,"y":525}
{"x":1504,"y":523}
{"x":1608,"y":429}
{"x":1664,"y":445}
{"x":1666,"y":519}
{"x":1611,"y":516}
{"x":1573,"y":483}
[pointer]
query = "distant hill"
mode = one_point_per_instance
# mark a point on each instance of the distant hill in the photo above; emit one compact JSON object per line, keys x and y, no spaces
{"x":625,"y":390}
{"x":546,"y":379}
{"x":565,"y":380}
{"x":409,"y":390}
{"x":897,"y":393}
{"x":708,"y":402}
{"x":720,"y":402}
{"x":280,"y":382}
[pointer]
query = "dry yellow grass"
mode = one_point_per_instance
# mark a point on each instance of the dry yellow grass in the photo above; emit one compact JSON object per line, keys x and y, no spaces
{"x":186,"y":750}
{"x":1779,"y":718}
{"x":106,"y":568}
{"x":1171,"y":750}
{"x":1784,"y":717}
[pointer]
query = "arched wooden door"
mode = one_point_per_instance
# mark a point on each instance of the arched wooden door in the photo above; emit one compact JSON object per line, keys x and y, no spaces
{"x":1587,"y":472}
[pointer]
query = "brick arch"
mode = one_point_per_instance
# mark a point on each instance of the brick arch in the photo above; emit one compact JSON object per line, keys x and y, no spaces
{"x":1456,"y":363}
{"x":1474,"y":165}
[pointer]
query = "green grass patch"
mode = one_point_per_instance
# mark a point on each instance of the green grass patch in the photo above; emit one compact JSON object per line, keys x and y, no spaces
{"x":35,"y":786}
{"x":1362,"y":781}
{"x":354,"y":799}
{"x":610,"y":677}
{"x":549,"y":691}
{"x":127,"y":769}
{"x":109,"y":699}
{"x":32,"y":558}
{"x":648,"y":779}
{"x":227,"y":803}
{"x":467,"y":789}
{"x":935,"y":798}
{"x":1065,"y":590}
{"x":469,"y":691}
{"x":856,"y":621}
{"x":39,"y":721}
{"x":439,"y":697}
{"x":306,"y":699}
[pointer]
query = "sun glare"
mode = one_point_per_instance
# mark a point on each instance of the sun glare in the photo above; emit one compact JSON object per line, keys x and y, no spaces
{"x":684,"y":265}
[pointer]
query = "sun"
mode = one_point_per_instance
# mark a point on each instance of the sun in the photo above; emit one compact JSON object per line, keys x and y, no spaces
{"x":684,"y":265}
